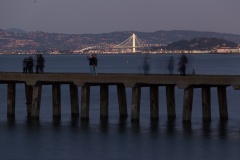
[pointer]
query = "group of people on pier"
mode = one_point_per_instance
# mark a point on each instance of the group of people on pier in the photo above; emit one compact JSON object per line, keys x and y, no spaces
{"x":182,"y":63}
{"x":92,"y":58}
{"x":39,"y":63}
{"x":28,"y":64}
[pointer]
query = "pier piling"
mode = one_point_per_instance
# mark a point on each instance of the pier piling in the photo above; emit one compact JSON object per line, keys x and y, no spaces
{"x":104,"y":101}
{"x":222,"y":100}
{"x":11,"y":98}
{"x":74,"y":100}
{"x":187,"y":104}
{"x":154,"y":104}
{"x":170,"y":94}
{"x":29,"y":98}
{"x":206,"y":103}
{"x":85,"y":97}
{"x":136,"y":94}
{"x":37,"y":93}
{"x":56,"y":100}
{"x":122,"y":100}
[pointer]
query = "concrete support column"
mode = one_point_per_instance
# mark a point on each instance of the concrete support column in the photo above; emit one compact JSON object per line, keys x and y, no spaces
{"x":154,"y":105}
{"x":85,"y":97}
{"x":187,"y":104}
{"x":136,"y":95}
{"x":122,"y":100}
{"x":11,"y":98}
{"x":103,"y":101}
{"x":170,"y":94}
{"x":222,"y":99}
{"x":56,"y":100}
{"x":206,"y":103}
{"x":37,"y":93}
{"x":74,"y":100}
{"x":29,"y":98}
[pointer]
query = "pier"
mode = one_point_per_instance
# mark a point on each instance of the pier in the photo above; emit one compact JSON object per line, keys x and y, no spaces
{"x":34,"y":82}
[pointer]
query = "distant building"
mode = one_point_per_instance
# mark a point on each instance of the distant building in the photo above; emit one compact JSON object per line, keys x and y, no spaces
{"x":226,"y":50}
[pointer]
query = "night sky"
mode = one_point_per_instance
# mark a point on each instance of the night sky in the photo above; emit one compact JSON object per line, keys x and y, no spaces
{"x":103,"y":16}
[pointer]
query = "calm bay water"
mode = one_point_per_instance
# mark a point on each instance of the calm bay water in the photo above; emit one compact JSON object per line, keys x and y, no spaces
{"x":120,"y":139}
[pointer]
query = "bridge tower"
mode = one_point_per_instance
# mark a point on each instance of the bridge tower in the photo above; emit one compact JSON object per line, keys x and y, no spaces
{"x":134,"y":43}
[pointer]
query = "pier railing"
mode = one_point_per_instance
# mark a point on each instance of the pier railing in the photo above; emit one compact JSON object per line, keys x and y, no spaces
{"x":33,"y":88}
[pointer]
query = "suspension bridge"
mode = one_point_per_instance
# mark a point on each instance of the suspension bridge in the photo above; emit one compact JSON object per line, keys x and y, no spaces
{"x":132,"y":44}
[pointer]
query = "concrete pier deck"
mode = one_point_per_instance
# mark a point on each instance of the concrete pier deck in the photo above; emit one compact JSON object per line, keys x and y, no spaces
{"x":129,"y":80}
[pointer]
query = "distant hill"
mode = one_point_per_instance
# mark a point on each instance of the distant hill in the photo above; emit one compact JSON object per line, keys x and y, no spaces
{"x":167,"y":37}
{"x":200,"y":44}
{"x":17,"y":39}
{"x":16,"y":30}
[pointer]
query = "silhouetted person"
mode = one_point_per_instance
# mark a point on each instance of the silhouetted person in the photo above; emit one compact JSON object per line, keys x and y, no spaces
{"x":146,"y":62}
{"x":36,"y":63}
{"x":182,"y":64}
{"x":93,"y":64}
{"x":24,"y":65}
{"x":170,"y":65}
{"x":30,"y":64}
{"x":41,"y":63}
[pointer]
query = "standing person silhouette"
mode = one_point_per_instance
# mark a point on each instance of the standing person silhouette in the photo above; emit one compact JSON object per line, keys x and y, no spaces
{"x":92,"y":63}
{"x":170,"y":65}
{"x":41,"y":63}
{"x":95,"y":62}
{"x":30,"y":64}
{"x":182,"y":64}
{"x":146,"y":62}
{"x":24,"y":65}
{"x":36,"y":63}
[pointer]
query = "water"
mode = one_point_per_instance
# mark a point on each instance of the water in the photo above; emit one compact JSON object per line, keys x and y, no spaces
{"x":120,"y":139}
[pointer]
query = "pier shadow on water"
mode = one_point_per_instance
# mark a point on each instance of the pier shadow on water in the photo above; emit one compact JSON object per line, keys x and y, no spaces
{"x":104,"y":125}
{"x":206,"y":130}
{"x":11,"y":121}
{"x":223,"y":129}
{"x":187,"y":128}
{"x":170,"y":126}
{"x":122,"y":124}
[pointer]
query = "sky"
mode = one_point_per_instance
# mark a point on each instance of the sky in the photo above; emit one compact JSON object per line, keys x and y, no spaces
{"x":104,"y":16}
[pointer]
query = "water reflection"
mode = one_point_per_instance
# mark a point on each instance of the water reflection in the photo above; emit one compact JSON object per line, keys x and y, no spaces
{"x":154,"y":126}
{"x":135,"y":126}
{"x":206,"y":129}
{"x":84,"y":123}
{"x":56,"y":121}
{"x":75,"y":121}
{"x":11,"y":120}
{"x":122,"y":124}
{"x":223,"y":129}
{"x":171,"y":126}
{"x":33,"y":123}
{"x":104,"y":125}
{"x":187,"y":128}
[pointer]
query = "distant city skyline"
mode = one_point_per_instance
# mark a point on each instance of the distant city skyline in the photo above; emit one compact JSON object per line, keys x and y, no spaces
{"x":103,"y":16}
